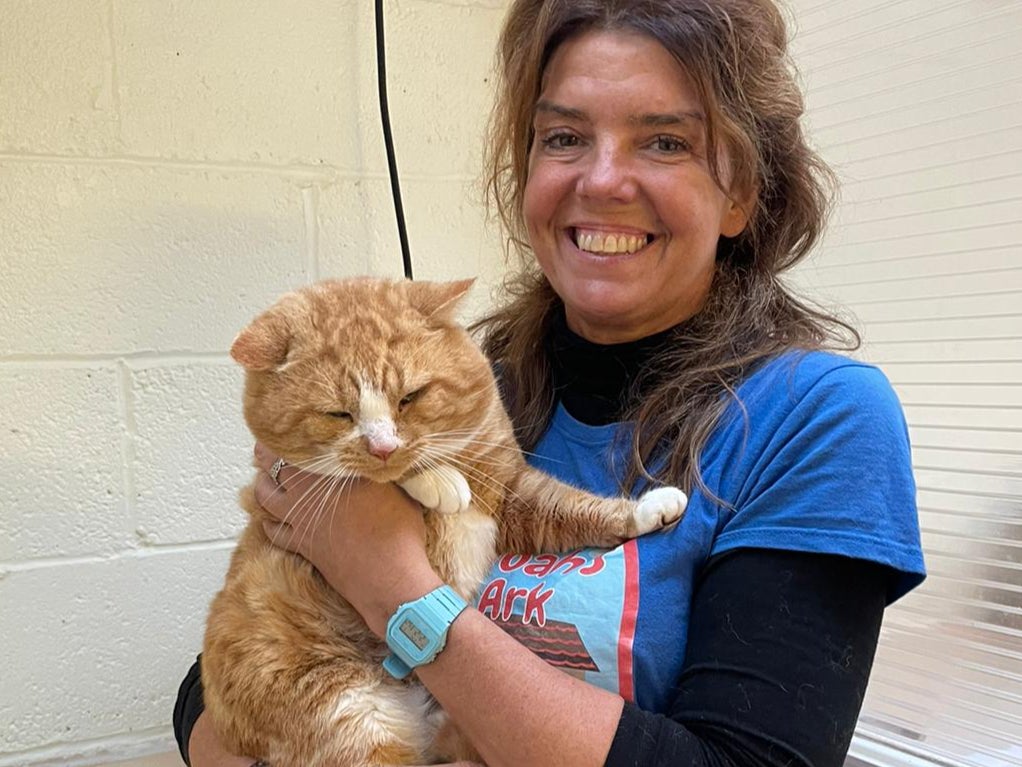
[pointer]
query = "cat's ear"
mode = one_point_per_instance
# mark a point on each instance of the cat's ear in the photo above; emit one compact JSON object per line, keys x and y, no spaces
{"x":265,"y":343}
{"x":438,"y":300}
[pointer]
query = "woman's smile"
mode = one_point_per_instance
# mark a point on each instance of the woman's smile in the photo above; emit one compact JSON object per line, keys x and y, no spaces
{"x":609,"y":242}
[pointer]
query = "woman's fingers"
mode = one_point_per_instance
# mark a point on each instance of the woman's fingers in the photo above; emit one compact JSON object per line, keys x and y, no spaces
{"x":283,"y":475}
{"x":282,"y":535}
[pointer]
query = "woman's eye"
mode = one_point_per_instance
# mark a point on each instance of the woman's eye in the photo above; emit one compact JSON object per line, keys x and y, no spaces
{"x":341,"y":414}
{"x":561,"y":141}
{"x":670,"y":144}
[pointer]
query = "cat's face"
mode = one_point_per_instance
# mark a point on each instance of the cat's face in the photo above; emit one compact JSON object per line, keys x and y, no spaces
{"x":365,"y":377}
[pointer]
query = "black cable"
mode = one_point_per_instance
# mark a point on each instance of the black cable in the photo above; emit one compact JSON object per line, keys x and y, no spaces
{"x":395,"y":188}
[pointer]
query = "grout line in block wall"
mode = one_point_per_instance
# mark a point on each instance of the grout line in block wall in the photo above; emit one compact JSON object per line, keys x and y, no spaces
{"x":310,"y":203}
{"x":141,"y":359}
{"x":128,"y":435}
{"x":314,"y":173}
{"x":149,"y":550}
{"x":317,"y":173}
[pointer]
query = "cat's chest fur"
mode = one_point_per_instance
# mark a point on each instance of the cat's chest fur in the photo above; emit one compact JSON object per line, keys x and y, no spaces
{"x":461,"y":547}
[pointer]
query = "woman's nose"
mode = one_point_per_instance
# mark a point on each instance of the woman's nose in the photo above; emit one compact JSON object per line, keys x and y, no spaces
{"x":608,"y":175}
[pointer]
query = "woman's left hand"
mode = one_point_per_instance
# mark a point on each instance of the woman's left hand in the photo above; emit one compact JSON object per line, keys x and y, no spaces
{"x":367,"y":539}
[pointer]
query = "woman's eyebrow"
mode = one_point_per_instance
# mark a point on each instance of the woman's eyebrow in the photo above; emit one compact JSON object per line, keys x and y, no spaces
{"x":667,"y":119}
{"x":652,"y":119}
{"x":558,"y":109}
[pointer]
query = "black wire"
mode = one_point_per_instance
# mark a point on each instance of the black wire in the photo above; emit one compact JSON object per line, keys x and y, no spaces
{"x":395,"y":188}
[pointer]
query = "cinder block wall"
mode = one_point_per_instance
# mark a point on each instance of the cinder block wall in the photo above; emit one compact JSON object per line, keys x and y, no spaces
{"x":166,"y":170}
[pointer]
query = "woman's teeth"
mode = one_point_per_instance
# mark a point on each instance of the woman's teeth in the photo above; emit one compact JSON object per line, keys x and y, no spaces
{"x":610,"y":243}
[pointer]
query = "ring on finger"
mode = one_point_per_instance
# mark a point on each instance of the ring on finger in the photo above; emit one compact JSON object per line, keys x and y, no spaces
{"x":275,"y":470}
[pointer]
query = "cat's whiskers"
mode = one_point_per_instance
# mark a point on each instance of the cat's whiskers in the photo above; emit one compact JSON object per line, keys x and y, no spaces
{"x":439,"y":437}
{"x":320,"y":504}
{"x":481,"y":457}
{"x":343,"y":481}
{"x":314,"y":466}
{"x":481,"y":477}
{"x":325,"y":489}
{"x":430,"y":463}
{"x":314,"y":494}
{"x":442,"y":454}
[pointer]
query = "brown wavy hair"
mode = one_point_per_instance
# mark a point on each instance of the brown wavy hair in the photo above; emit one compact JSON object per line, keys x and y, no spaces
{"x":735,"y":52}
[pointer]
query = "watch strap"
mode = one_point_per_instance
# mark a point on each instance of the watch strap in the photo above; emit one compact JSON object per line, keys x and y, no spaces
{"x":439,"y":608}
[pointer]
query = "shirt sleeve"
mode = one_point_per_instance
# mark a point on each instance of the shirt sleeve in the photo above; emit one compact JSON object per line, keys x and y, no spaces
{"x":779,"y":653}
{"x":188,"y":707}
{"x":830,"y":472}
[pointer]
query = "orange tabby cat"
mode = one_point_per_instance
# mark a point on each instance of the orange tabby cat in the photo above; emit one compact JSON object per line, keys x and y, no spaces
{"x":375,"y":379}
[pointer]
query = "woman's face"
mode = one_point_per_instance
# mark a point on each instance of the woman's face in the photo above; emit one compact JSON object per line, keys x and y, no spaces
{"x":622,"y":212}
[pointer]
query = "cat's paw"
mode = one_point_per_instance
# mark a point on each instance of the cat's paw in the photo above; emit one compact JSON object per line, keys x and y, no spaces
{"x":442,"y":488}
{"x":659,"y":508}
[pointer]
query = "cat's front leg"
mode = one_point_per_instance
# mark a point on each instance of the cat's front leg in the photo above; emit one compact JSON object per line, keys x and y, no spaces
{"x":658,"y":508}
{"x":542,"y":514}
{"x":441,"y":488}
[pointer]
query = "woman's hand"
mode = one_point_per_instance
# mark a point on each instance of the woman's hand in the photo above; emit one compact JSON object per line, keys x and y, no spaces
{"x":206,"y":750}
{"x":367,"y":539}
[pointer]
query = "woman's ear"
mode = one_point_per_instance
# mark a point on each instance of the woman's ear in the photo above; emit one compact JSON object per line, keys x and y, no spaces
{"x":740,"y":205}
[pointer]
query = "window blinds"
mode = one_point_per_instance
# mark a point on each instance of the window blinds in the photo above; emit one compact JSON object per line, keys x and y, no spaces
{"x":917,"y":104}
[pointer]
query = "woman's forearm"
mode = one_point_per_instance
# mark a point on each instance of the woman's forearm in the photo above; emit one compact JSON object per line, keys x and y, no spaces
{"x":515,"y":708}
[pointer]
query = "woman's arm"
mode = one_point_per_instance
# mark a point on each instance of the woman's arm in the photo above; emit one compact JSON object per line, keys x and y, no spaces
{"x":779,"y":653}
{"x":196,"y":740}
{"x":780,"y":648}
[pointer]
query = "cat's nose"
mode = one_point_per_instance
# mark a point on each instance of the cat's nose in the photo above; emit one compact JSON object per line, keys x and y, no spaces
{"x":382,"y":450}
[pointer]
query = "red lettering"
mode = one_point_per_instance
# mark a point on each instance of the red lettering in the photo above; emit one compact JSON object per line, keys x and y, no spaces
{"x":594,"y":567}
{"x":541,"y":565}
{"x":535,"y":605}
{"x":510,"y":596}
{"x":489,"y":600}
{"x":573,"y":562}
{"x":511,"y":562}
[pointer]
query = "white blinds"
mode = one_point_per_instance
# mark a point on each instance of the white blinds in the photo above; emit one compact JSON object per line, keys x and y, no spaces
{"x":918,"y":105}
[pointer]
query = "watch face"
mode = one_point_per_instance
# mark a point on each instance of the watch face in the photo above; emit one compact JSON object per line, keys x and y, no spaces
{"x":415,"y":636}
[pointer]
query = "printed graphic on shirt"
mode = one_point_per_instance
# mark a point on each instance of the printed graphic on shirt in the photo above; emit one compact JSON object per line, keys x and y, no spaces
{"x":545,"y":602}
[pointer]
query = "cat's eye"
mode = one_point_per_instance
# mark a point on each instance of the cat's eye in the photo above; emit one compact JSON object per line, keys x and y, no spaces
{"x":341,"y":414}
{"x":409,"y":398}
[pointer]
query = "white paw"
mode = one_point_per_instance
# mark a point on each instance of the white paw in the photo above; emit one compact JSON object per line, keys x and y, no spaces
{"x":658,"y":508}
{"x":443,"y":489}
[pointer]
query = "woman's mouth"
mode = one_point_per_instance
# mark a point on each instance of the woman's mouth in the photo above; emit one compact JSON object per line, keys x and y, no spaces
{"x":609,"y":243}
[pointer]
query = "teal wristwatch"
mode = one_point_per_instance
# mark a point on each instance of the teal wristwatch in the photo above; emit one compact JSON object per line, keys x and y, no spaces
{"x":417,"y":631}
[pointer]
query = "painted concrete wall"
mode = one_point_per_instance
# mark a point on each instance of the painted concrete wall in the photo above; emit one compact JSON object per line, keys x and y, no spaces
{"x":166,"y":170}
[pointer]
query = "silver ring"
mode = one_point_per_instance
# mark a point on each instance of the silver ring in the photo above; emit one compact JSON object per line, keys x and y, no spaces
{"x":275,"y":470}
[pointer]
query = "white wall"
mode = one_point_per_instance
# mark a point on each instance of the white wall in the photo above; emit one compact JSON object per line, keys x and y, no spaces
{"x":166,"y":170}
{"x":918,"y":106}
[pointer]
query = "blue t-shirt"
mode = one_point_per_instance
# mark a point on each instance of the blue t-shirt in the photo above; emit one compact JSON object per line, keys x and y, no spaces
{"x":818,"y":462}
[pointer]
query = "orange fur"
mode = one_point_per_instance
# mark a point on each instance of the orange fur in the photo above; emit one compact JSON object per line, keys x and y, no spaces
{"x":291,"y":673}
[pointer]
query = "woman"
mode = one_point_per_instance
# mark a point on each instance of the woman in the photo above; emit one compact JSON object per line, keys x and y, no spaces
{"x":646,"y":155}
